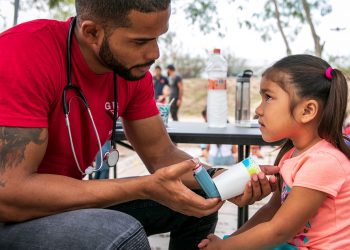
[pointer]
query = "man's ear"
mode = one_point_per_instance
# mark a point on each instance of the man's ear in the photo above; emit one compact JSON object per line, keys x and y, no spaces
{"x":91,"y":32}
{"x":309,"y":110}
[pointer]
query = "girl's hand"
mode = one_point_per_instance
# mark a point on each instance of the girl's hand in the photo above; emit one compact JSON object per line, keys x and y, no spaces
{"x":258,"y":187}
{"x":212,"y":242}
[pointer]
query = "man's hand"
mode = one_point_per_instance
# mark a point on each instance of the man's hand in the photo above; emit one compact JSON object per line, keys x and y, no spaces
{"x":166,"y":187}
{"x":258,"y":187}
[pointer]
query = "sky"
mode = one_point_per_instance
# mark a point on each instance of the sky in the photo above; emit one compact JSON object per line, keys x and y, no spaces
{"x":242,"y":43}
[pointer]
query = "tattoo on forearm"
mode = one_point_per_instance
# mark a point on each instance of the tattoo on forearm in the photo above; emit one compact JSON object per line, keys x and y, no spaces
{"x":13,"y":142}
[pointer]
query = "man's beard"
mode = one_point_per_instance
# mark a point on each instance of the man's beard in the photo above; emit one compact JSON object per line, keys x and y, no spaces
{"x":112,"y":63}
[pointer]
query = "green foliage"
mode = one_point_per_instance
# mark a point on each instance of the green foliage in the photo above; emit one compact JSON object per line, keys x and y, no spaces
{"x":203,"y":13}
{"x":171,"y":53}
{"x":2,"y":21}
{"x":51,"y":4}
{"x":189,"y":66}
{"x":265,"y":21}
{"x":62,"y":9}
{"x":342,"y":63}
{"x":235,"y":65}
{"x":54,"y":3}
{"x":275,"y":16}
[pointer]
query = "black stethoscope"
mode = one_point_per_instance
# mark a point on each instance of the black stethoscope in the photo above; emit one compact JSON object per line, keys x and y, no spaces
{"x":113,"y":155}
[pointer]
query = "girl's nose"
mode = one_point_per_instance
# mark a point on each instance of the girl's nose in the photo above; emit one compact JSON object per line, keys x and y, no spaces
{"x":258,"y":110}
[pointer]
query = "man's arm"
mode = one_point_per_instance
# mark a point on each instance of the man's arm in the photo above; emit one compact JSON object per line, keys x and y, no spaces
{"x":25,"y":194}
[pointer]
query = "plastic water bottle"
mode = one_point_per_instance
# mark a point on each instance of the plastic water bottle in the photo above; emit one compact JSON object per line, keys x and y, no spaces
{"x":217,"y":93}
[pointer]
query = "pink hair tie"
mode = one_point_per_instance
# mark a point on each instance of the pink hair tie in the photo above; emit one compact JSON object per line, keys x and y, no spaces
{"x":329,"y":72}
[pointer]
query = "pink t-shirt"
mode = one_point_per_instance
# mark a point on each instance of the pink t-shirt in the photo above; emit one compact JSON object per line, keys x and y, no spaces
{"x":323,"y":168}
{"x":32,"y":78}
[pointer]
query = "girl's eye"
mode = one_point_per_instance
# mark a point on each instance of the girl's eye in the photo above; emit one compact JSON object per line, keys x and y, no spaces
{"x":267,"y":97}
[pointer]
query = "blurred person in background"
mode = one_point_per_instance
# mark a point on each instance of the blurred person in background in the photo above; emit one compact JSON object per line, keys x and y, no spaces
{"x":160,"y":82}
{"x":176,"y":91}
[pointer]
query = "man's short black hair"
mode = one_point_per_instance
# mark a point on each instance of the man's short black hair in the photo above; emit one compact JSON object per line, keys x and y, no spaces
{"x":157,"y":67}
{"x":114,"y":13}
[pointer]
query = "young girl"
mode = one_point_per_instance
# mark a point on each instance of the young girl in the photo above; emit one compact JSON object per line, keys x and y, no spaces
{"x":303,"y":101}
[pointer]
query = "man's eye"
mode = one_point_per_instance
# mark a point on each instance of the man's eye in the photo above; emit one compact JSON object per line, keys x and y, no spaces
{"x":140,"y":42}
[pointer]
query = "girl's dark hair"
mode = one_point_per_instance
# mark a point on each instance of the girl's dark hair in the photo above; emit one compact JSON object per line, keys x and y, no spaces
{"x":304,"y":76}
{"x":114,"y":13}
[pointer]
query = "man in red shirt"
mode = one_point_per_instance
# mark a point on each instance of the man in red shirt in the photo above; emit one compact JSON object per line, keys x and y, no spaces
{"x":56,"y":103}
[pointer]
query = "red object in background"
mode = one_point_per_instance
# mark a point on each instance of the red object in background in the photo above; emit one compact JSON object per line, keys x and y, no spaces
{"x":347,"y":130}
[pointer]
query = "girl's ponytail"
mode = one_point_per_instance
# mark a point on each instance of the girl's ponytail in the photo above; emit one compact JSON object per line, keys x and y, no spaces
{"x":334,"y":112}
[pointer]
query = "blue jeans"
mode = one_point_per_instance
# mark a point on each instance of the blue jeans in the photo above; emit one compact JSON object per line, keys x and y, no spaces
{"x":81,"y":229}
{"x":110,"y":228}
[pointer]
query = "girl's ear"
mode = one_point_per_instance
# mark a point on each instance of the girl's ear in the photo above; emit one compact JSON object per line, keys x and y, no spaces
{"x":309,"y":110}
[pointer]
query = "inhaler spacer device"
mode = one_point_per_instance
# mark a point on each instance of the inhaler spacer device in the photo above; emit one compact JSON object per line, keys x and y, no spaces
{"x":232,"y":182}
{"x":228,"y":184}
{"x":204,"y":180}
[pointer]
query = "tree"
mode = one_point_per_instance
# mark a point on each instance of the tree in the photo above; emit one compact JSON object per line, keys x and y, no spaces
{"x":342,"y":63}
{"x":62,"y":8}
{"x":16,"y":9}
{"x":190,"y":66}
{"x":307,"y":11}
{"x":171,"y":48}
{"x":280,"y":26}
{"x":235,"y":65}
{"x":28,"y":4}
{"x":2,"y":17}
{"x":276,"y":16}
{"x":203,"y":13}
{"x":171,"y":53}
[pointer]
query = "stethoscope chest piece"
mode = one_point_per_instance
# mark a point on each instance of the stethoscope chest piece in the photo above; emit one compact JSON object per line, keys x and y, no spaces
{"x":113,"y":157}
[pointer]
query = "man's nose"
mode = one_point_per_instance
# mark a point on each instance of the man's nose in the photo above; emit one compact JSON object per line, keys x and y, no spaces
{"x":153,"y":52}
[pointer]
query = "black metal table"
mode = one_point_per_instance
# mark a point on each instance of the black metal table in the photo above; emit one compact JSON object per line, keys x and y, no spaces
{"x":199,"y":132}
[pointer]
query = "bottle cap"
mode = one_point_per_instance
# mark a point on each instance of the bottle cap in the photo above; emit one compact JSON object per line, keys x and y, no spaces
{"x":216,"y":51}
